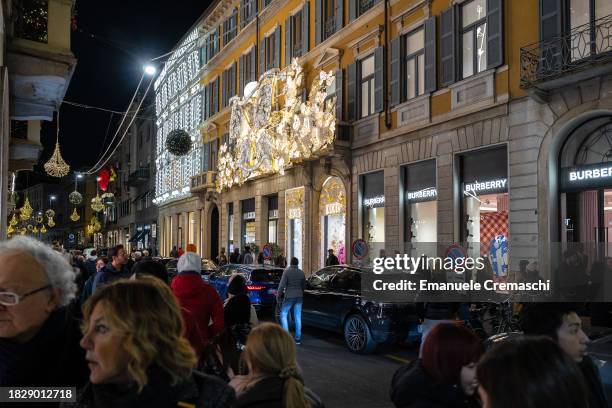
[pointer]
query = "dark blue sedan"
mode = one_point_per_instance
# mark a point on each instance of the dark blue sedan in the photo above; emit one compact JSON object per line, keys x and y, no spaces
{"x":262,"y":282}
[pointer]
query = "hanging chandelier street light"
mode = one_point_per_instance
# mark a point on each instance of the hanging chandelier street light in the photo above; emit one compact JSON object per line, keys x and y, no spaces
{"x":56,"y":166}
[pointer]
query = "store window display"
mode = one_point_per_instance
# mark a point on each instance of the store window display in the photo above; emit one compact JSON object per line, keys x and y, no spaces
{"x":248,"y":221}
{"x":484,"y":189}
{"x":373,"y":206}
{"x":420,"y":202}
{"x":294,"y":212}
{"x":332,"y":210}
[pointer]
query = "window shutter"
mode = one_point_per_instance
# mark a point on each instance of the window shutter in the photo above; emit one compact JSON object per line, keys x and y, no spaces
{"x":233,"y":84}
{"x":262,"y":57}
{"x":241,"y":74}
{"x":447,"y":46}
{"x":288,"y":44}
{"x":215,"y":96}
{"x":205,"y":157}
{"x":318,"y":21}
{"x":253,"y":73}
{"x":352,"y":10}
{"x":395,"y":70}
{"x":305,"y":28}
{"x":495,"y":37}
{"x":351,"y":86}
{"x":206,"y":103}
{"x":339,"y":88}
{"x":339,"y":15}
{"x":225,"y":84}
{"x":277,"y":46}
{"x":430,"y":55}
{"x":379,"y":66}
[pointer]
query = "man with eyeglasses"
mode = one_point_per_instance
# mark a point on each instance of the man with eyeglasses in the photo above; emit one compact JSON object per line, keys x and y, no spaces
{"x":39,"y":338}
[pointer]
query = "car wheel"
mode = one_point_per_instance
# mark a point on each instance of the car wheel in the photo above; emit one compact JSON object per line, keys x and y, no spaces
{"x":357,"y":335}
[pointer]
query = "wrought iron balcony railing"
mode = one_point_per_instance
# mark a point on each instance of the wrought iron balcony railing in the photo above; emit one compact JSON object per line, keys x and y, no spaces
{"x":138,"y":177}
{"x":551,"y":59}
{"x":329,"y":28}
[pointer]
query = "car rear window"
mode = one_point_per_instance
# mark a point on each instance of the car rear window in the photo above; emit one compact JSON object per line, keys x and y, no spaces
{"x":262,"y":275}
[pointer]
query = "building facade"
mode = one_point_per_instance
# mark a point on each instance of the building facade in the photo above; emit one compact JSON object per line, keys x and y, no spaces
{"x":132,"y":220}
{"x":457,"y":122}
{"x":37,"y":65}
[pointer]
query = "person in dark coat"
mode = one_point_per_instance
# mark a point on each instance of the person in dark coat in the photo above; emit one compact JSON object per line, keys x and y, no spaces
{"x":235,"y":256}
{"x":39,"y":336}
{"x":139,"y":321}
{"x":561,"y":323}
{"x":274,"y":380}
{"x":174,"y":253}
{"x":331,"y":258}
{"x":445,"y":375}
{"x":90,"y":263}
{"x":281,"y":261}
{"x":115,"y":269}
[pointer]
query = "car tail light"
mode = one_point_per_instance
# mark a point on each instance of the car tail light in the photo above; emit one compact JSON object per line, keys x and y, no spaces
{"x":255,"y":287}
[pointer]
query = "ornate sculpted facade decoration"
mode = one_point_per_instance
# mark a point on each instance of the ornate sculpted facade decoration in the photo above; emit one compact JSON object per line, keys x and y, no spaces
{"x":272,"y":128}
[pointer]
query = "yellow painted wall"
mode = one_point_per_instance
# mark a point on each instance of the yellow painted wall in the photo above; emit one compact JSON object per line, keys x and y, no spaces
{"x":521,"y":28}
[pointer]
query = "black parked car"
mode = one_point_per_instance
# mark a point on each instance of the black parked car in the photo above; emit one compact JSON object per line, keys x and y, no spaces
{"x":333,"y":300}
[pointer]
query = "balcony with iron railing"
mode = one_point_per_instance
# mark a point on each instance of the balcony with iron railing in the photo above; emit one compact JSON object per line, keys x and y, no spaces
{"x":583,"y":53}
{"x":204,"y":181}
{"x":139,"y":177}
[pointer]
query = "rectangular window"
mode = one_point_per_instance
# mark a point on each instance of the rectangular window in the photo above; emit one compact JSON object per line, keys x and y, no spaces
{"x":420,"y":203}
{"x":229,"y":85}
{"x":213,"y":44}
{"x":588,"y":35}
{"x":213,"y":155}
{"x":365,"y":5}
{"x":230,"y":28}
{"x":367,"y":86}
{"x":415,"y":63}
{"x":474,"y":37}
{"x":296,"y":34}
{"x":230,"y":227}
{"x":270,"y":44}
{"x":248,"y":11}
{"x":373,"y":207}
{"x":273,"y":219}
{"x":329,"y":18}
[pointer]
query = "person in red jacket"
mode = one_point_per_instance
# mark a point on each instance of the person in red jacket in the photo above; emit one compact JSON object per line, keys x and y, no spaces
{"x":201,"y":306}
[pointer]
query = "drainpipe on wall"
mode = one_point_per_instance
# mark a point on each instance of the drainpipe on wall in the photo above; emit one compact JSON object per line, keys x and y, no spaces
{"x":386,"y":70}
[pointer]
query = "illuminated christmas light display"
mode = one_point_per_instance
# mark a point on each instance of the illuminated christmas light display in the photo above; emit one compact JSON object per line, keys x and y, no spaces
{"x":178,"y":100}
{"x":265,"y":140}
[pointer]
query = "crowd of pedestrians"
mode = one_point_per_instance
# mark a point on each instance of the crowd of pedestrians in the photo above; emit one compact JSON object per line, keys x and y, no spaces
{"x":124,"y":335}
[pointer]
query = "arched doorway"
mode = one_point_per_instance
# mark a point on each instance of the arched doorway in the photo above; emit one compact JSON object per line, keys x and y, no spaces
{"x":585,"y":191}
{"x":332,"y":214}
{"x":214,"y":233}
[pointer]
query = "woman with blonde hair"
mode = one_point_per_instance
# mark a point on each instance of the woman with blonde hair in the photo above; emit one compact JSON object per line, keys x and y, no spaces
{"x":136,"y":353}
{"x":273,"y":380}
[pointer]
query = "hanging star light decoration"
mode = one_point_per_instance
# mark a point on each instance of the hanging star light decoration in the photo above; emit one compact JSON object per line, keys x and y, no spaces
{"x":264,"y":139}
{"x":43,"y":229}
{"x":56,"y":166}
{"x":75,"y":215}
{"x":26,"y":210}
{"x":96,"y":203}
{"x":35,"y":230}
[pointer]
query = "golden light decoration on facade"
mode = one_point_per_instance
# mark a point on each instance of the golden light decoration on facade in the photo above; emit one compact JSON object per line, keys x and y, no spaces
{"x":10,"y":230}
{"x":43,"y":229}
{"x":13,"y":220}
{"x":50,"y":213}
{"x":264,"y":139}
{"x":25,"y":212}
{"x":39,"y":218}
{"x":23,"y":231}
{"x":56,"y":166}
{"x":35,"y":230}
{"x":51,"y":223}
{"x":75,"y":215}
{"x":30,"y":227}
{"x":96,"y":203}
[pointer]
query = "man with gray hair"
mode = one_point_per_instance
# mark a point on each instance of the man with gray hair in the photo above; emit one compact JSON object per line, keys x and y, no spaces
{"x":39,"y":337}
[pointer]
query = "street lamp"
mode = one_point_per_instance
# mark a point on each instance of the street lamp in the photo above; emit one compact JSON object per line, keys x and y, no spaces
{"x":150,"y":69}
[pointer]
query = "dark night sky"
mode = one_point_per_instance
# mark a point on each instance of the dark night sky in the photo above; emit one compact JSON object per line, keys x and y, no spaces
{"x":108,"y":69}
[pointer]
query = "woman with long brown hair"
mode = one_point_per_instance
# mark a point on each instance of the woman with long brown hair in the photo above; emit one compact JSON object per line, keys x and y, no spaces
{"x":274,"y":380}
{"x":136,"y":353}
